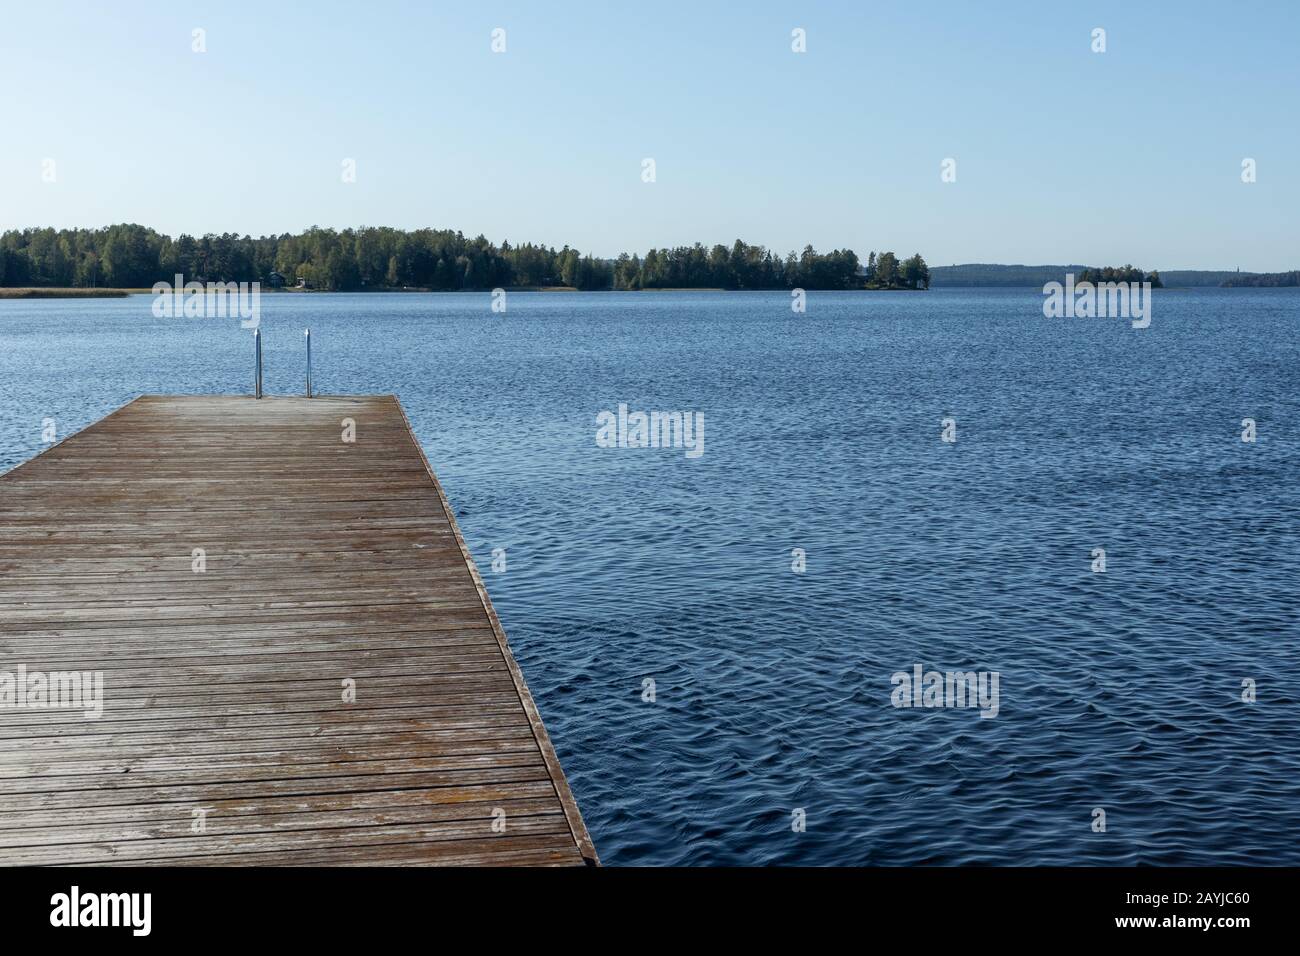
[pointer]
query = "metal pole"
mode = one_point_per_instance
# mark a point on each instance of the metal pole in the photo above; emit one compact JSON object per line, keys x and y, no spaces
{"x":309,"y":363}
{"x":257,"y":351}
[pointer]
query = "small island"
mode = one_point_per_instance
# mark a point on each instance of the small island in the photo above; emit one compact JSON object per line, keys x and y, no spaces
{"x":1124,"y":273}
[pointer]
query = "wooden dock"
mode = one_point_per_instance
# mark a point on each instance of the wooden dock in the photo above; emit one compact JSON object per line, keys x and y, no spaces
{"x":225,"y":737}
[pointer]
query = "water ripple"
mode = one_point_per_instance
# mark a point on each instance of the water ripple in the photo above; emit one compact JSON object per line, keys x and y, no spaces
{"x":1119,"y":692}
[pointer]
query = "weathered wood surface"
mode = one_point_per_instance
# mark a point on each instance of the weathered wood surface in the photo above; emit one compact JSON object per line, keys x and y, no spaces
{"x":325,"y":561}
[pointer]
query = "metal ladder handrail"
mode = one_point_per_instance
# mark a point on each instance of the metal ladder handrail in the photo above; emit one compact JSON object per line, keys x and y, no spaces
{"x":257,"y":369}
{"x":257,"y":363}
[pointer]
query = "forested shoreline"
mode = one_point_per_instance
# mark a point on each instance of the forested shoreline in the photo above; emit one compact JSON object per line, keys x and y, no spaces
{"x":131,"y":256}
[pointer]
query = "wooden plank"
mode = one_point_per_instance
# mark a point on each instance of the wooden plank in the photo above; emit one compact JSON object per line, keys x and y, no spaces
{"x":325,"y":561}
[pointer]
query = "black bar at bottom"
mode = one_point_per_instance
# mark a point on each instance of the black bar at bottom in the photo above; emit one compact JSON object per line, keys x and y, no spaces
{"x":945,"y":906}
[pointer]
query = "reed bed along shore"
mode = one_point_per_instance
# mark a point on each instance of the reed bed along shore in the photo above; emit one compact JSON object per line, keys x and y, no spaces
{"x":52,"y":293}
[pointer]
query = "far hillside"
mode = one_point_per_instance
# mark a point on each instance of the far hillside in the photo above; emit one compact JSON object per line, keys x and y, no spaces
{"x":1012,"y":276}
{"x":1266,"y":280}
{"x":981,"y":274}
{"x":1187,"y":277}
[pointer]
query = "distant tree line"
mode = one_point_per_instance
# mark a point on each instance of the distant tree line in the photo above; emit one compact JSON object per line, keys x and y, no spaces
{"x":1124,"y":273}
{"x":133,"y":256}
{"x":754,"y":267}
{"x":1265,"y":280}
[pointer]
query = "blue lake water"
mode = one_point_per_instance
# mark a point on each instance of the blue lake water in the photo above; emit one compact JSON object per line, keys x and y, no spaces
{"x":1119,"y":690}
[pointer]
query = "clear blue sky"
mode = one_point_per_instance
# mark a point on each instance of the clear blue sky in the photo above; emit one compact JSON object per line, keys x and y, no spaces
{"x":1063,"y":155}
